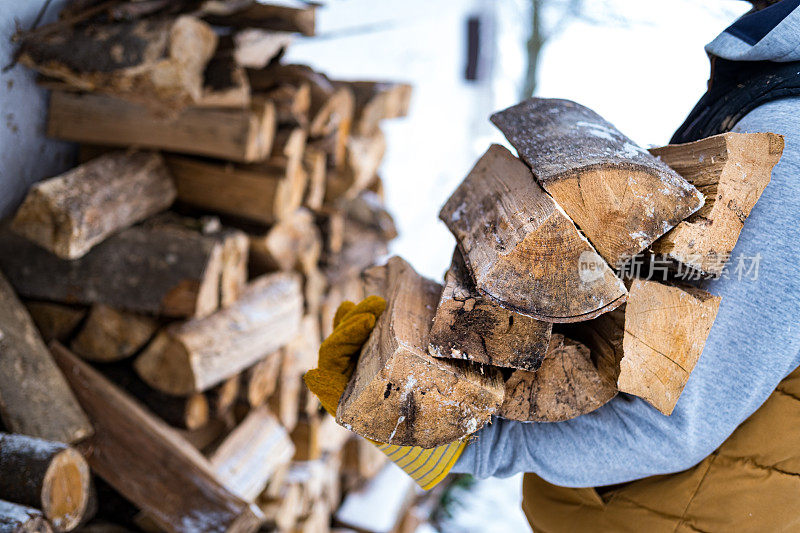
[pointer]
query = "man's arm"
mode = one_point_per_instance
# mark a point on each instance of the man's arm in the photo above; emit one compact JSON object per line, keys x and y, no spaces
{"x":753,"y":345}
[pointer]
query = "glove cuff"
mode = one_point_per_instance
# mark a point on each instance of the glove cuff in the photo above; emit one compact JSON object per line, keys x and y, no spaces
{"x":426,"y":466}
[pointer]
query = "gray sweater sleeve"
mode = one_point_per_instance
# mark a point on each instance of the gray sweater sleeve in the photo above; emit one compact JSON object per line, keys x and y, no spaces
{"x":753,"y":345}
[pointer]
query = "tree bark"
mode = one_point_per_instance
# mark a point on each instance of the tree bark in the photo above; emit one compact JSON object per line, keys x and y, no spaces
{"x":399,"y":394}
{"x":468,"y":326}
{"x":522,"y":250}
{"x":149,"y":463}
{"x":155,"y":270}
{"x":34,"y":397}
{"x":619,"y":195}
{"x":46,"y":475}
{"x":71,"y":213}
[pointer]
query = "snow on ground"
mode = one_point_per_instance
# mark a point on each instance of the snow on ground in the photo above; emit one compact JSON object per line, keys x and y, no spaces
{"x":641,"y":65}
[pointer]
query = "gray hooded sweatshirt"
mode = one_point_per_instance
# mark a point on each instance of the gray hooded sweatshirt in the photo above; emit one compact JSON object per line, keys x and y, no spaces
{"x":753,"y":345}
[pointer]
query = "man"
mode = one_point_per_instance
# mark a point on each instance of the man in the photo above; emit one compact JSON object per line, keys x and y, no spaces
{"x":728,"y":458}
{"x":750,"y":361}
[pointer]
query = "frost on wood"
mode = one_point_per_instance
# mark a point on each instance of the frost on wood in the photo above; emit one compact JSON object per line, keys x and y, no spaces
{"x":469,"y":326}
{"x":618,"y":194}
{"x":666,"y":328}
{"x":569,"y":383}
{"x":522,"y":250}
{"x":399,"y":394}
{"x":731,"y":170}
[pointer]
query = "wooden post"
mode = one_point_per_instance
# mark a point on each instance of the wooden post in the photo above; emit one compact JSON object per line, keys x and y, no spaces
{"x":149,"y":463}
{"x":34,"y":398}
{"x":666,"y":328}
{"x":158,"y":60}
{"x":620,"y":196}
{"x":732,"y":170}
{"x":72,"y":212}
{"x":16,"y":518}
{"x":47,"y":475}
{"x":111,"y":335}
{"x":399,"y":394}
{"x":522,"y":250}
{"x":155,"y":270}
{"x":468,"y":326}
{"x":198,"y":354}
{"x":242,"y":135}
{"x":250,"y":454}
{"x":567,"y":385}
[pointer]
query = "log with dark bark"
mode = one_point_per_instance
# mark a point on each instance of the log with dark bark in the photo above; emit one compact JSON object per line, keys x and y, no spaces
{"x":155,"y":270}
{"x":468,"y":326}
{"x":522,"y":249}
{"x":55,"y":321}
{"x":47,"y":475}
{"x":16,"y":518}
{"x":666,"y":327}
{"x":111,"y":335}
{"x":619,"y":195}
{"x":158,"y":61}
{"x":243,"y":135}
{"x":287,"y":16}
{"x":149,"y":463}
{"x":70,"y":213}
{"x":185,"y":412}
{"x":198,"y":354}
{"x":568,"y":384}
{"x":225,"y":83}
{"x":399,"y":394}
{"x":34,"y":397}
{"x":731,"y":170}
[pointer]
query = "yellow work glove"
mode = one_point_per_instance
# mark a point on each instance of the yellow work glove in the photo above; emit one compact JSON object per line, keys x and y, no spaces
{"x":338,"y":356}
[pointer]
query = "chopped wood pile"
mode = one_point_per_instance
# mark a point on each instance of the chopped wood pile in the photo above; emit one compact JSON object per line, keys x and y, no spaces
{"x":541,"y":316}
{"x":185,"y":273}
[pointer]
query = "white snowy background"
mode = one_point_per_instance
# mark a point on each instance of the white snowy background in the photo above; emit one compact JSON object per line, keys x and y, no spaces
{"x":639,"y":64}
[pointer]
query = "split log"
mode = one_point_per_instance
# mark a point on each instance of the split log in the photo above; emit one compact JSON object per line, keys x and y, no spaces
{"x":666,"y":328}
{"x":306,"y":439}
{"x":316,"y":166}
{"x":251,"y":453}
{"x":285,"y":402}
{"x":367,"y":208}
{"x":34,"y":397}
{"x":363,"y":156}
{"x":350,"y":289}
{"x":111,"y":335}
{"x":290,"y":16}
{"x":242,"y":135}
{"x":70,"y":213}
{"x":158,"y":61}
{"x":619,"y":195}
{"x":155,"y":270}
{"x":222,"y":398}
{"x":731,"y":170}
{"x":292,"y":102}
{"x":198,"y":354}
{"x":604,"y":337}
{"x":184,"y":412}
{"x":467,"y":326}
{"x":568,"y":384}
{"x":399,"y":394}
{"x":55,"y":321}
{"x":47,"y":475}
{"x":149,"y":463}
{"x":376,"y":101}
{"x":255,"y":194}
{"x":235,"y":256}
{"x":16,"y":518}
{"x":293,"y":243}
{"x":208,"y":436}
{"x":522,"y":249}
{"x":261,"y":379}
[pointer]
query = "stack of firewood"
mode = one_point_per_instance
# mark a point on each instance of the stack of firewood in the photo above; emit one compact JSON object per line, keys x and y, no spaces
{"x":574,"y":278}
{"x":185,"y":273}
